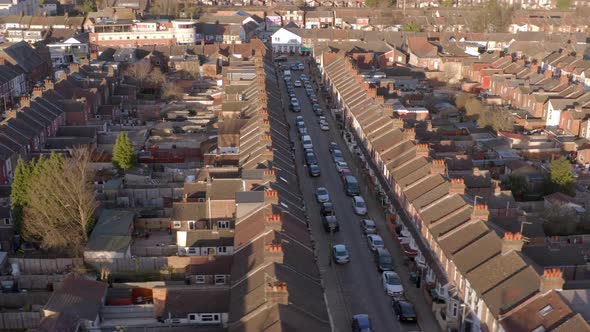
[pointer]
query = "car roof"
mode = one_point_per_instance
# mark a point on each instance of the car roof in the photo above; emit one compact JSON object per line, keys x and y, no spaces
{"x":340,"y":247}
{"x":369,"y":222}
{"x":363,"y":320}
{"x":375,"y":236}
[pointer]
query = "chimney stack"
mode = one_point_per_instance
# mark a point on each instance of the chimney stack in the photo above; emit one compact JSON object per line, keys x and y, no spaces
{"x":438,"y":167}
{"x":110,"y":71}
{"x":269,"y":175}
{"x":422,"y":150}
{"x":512,"y":242}
{"x":274,"y":222}
{"x":480,"y":212}
{"x":428,"y":125}
{"x":372,"y":92}
{"x":271,"y":196}
{"x":37,"y":92}
{"x":391,"y":88}
{"x":49,"y":85}
{"x":269,"y":154}
{"x":266,"y":139}
{"x":273,"y":253}
{"x":548,"y":73}
{"x":552,"y":279}
{"x":264,"y":125}
{"x":277,"y":292}
{"x":379,"y":99}
{"x":263,"y":113}
{"x":409,"y":134}
{"x":84,"y":62}
{"x":74,"y":68}
{"x":457,"y":187}
{"x":25,"y":101}
{"x":398,"y":123}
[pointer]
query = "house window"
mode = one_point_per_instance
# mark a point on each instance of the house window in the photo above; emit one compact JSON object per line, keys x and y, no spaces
{"x":220,"y":280}
{"x":223,"y":224}
{"x":199,"y":280}
{"x":191,"y":251}
{"x":455,"y":311}
{"x":221,"y":250}
{"x":191,"y":224}
{"x":209,"y":317}
{"x":192,"y":317}
{"x":7,"y":222}
{"x":176,"y":224}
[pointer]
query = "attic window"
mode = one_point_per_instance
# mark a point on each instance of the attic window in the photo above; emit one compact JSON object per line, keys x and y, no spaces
{"x":176,"y":224}
{"x":199,"y":279}
{"x":546,"y":310}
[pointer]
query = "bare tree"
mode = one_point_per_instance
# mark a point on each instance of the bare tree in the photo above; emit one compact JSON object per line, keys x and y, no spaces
{"x":62,"y":202}
{"x":140,"y":71}
{"x":171,"y":91}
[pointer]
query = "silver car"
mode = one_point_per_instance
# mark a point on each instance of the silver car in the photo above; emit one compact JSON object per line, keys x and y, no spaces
{"x":340,"y":254}
{"x":322,"y":195}
{"x":368,"y":226}
{"x":359,"y":205}
{"x":375,"y":241}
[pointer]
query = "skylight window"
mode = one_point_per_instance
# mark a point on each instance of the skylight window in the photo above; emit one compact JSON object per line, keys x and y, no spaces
{"x":546,"y":310}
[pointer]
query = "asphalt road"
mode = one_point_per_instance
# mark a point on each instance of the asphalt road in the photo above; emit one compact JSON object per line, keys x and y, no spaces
{"x":355,"y":287}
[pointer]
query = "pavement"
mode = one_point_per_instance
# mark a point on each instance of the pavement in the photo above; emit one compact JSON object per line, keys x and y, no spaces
{"x":355,"y":287}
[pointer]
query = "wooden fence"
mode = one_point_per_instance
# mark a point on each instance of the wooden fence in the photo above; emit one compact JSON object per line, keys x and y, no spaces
{"x":137,"y":264}
{"x":46,"y":265}
{"x":19,"y":300}
{"x":11,"y":321}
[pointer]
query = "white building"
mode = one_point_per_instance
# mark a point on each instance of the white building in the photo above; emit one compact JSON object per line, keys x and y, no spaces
{"x":69,"y":51}
{"x":284,"y":41}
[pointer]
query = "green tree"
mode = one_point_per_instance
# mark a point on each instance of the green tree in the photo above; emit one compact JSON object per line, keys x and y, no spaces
{"x":89,"y":6}
{"x":561,"y":177}
{"x":123,"y":156}
{"x":411,"y":27}
{"x":564,"y":4}
{"x":18,"y":193}
{"x":447,"y":3}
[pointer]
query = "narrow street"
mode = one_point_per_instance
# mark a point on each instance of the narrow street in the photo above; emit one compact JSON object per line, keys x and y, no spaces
{"x":355,"y":287}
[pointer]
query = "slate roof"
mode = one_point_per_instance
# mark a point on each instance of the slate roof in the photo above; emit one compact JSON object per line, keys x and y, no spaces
{"x":24,"y":56}
{"x":79,"y":298}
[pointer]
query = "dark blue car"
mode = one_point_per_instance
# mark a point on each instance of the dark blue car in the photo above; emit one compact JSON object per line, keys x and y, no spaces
{"x":361,"y":323}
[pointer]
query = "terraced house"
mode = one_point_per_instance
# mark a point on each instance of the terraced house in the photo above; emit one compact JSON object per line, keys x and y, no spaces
{"x":476,"y":273}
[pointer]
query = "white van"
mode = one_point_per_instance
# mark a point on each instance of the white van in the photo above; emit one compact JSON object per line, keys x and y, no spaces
{"x":306,"y":141}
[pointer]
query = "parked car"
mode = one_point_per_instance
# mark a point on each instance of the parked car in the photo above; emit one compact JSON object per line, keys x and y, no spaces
{"x":359,"y":205}
{"x":294,"y":101}
{"x":316,"y":107}
{"x":368,"y":226}
{"x":337,"y":156}
{"x":304,"y":78}
{"x":297,"y":84}
{"x":301,"y":128}
{"x":320,"y":119}
{"x":322,"y":195}
{"x":361,"y":323}
{"x":327,"y":209}
{"x":313,"y":98}
{"x":375,"y":241}
{"x":324,"y":126}
{"x":306,"y":142}
{"x":310,"y":159}
{"x":341,"y":165}
{"x":392,"y":284}
{"x":334,"y":146}
{"x":351,"y":185}
{"x":340,"y":254}
{"x":404,"y":310}
{"x":294,"y":67}
{"x":299,"y":118}
{"x":383,"y":259}
{"x":314,"y":170}
{"x":300,"y":66}
{"x":330,"y":223}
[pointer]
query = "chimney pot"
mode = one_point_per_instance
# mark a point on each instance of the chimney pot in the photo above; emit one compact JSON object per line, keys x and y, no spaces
{"x":552,"y":279}
{"x":438,"y":167}
{"x":512,"y":241}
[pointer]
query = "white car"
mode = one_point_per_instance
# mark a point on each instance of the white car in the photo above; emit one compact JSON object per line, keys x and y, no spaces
{"x":322,"y":195}
{"x":359,"y":205}
{"x":322,"y":119}
{"x":392,"y":284}
{"x":324,"y":126}
{"x":297,"y":84}
{"x":375,"y":241}
{"x":341,"y":165}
